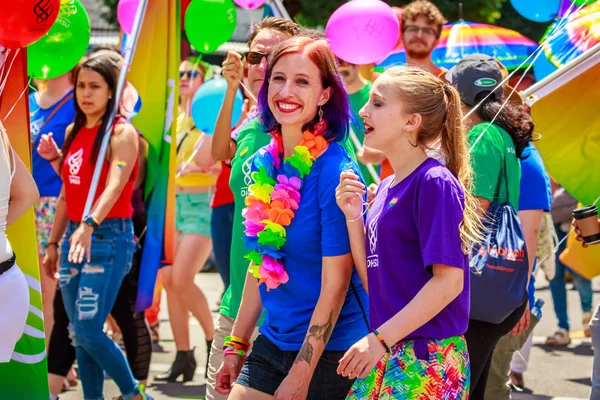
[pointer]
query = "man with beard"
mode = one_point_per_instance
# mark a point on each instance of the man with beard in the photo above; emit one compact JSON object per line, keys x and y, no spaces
{"x":422,"y":24}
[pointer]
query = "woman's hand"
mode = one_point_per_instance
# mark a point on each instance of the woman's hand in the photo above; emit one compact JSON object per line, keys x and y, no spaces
{"x":523,"y":323}
{"x":578,"y":232}
{"x":233,"y":70}
{"x":81,"y":242}
{"x":371,"y":192}
{"x":47,"y":148}
{"x":349,"y":195}
{"x":361,"y":358}
{"x":50,"y":262}
{"x":228,"y":373}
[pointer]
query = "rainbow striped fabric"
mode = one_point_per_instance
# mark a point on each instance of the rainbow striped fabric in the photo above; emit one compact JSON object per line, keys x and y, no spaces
{"x":578,"y":34}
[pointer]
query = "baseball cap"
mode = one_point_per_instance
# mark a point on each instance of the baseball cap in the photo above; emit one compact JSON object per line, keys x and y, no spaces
{"x":475,"y":74}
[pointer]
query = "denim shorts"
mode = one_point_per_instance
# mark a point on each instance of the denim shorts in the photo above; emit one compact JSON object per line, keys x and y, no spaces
{"x":193,"y":212}
{"x":267,"y":366}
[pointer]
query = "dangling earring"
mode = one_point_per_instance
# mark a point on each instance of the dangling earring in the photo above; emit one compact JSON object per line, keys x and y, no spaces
{"x":320,"y":123}
{"x":411,"y":143}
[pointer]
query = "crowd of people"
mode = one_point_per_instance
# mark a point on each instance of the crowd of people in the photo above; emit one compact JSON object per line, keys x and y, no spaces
{"x":339,"y":282}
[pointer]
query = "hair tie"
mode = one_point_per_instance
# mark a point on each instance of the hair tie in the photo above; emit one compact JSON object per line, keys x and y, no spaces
{"x":447,"y":89}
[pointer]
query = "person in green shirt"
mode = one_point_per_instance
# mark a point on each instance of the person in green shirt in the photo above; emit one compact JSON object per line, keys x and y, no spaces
{"x":499,"y":134}
{"x":358,"y":89}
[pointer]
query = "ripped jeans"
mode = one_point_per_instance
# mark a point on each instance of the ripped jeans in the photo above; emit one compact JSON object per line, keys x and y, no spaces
{"x":89,"y":292}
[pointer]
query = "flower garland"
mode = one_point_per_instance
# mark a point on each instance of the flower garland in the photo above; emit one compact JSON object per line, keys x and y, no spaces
{"x":273,"y":197}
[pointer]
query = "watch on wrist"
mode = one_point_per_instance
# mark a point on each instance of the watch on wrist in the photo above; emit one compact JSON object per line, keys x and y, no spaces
{"x":91,"y":221}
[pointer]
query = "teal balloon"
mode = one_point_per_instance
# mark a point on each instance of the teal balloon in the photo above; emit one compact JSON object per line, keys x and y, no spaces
{"x":59,"y":50}
{"x":543,"y":67}
{"x":207,"y":102}
{"x":210,"y":23}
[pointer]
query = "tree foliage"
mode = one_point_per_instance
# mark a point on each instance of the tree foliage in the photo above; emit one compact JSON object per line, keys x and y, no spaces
{"x":315,"y":13}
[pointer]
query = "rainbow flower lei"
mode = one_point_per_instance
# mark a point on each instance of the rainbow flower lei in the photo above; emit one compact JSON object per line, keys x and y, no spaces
{"x":272,"y":198}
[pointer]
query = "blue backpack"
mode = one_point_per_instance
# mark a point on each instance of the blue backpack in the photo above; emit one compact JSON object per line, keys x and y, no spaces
{"x":499,"y":265}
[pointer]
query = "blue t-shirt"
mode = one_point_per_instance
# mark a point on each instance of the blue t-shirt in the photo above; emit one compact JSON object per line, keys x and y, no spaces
{"x":48,"y":182}
{"x":536,"y":192}
{"x":317,"y":230}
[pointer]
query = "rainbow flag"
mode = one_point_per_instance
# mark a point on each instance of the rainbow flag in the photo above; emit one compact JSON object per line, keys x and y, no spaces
{"x":26,"y":375}
{"x":155,"y":74}
{"x":564,"y":110}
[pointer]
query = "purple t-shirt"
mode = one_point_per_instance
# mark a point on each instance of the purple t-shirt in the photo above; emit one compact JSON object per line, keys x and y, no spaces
{"x":411,"y":226}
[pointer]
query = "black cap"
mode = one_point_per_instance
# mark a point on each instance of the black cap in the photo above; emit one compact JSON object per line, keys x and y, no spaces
{"x":474,"y":74}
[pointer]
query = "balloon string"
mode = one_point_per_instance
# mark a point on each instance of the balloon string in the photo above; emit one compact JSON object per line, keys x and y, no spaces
{"x":248,"y":92}
{"x":190,"y":159}
{"x":18,"y":99}
{"x":366,"y":208}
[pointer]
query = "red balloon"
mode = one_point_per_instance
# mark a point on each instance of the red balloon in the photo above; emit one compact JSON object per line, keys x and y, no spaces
{"x":25,"y":21}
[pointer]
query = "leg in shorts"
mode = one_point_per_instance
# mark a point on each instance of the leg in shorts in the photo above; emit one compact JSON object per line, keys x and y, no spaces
{"x":192,"y":213}
{"x":267,"y":366}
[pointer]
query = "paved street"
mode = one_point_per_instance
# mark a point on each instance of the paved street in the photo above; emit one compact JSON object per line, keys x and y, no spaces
{"x":560,"y":374}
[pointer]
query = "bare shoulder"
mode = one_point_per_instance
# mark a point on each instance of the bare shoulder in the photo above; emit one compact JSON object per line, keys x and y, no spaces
{"x":124,"y":131}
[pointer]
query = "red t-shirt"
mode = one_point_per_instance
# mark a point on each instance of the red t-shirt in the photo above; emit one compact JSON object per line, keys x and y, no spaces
{"x":223,"y":194}
{"x":77,"y":172}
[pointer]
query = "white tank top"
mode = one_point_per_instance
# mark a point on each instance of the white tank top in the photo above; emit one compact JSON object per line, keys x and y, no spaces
{"x":6,"y":176}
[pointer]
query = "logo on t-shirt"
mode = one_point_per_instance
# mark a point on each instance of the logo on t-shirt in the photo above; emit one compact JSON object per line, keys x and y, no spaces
{"x":74,"y":162}
{"x":247,"y":171}
{"x":373,"y":259}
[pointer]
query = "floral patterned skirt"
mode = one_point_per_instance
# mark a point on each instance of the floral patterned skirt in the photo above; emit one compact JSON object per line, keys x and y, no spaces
{"x":441,"y":372}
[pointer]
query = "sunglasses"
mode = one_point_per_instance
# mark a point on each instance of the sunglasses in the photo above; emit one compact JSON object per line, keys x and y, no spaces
{"x":255,"y":57}
{"x":426,"y":31}
{"x":190,"y":74}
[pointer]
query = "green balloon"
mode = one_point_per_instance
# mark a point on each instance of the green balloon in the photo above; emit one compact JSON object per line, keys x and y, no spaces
{"x":582,"y":2}
{"x":210,"y":23}
{"x":59,"y":50}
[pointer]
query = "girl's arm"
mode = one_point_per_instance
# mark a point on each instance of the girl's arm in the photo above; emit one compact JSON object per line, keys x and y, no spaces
{"x":23,"y":190}
{"x":356,"y":232}
{"x":250,"y":309}
{"x":445,"y":285}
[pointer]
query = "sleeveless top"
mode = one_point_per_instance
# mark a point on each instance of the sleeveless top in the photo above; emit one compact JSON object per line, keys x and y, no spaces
{"x":6,"y":176}
{"x":187,"y":135}
{"x":77,"y":172}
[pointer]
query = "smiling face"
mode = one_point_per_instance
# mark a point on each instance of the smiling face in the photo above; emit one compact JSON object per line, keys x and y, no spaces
{"x":92,"y":92}
{"x":419,"y":37}
{"x":296,"y":90}
{"x":385,"y":118}
{"x":264,"y":43}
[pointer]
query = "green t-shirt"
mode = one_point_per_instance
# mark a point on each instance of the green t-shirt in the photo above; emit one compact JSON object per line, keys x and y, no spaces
{"x":250,"y":139}
{"x":488,"y":157}
{"x":357,"y":101}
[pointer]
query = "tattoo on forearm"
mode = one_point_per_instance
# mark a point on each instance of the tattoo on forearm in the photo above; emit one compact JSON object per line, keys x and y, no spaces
{"x":318,"y":332}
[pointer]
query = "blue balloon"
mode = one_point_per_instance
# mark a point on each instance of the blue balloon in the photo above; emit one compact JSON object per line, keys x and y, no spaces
{"x":543,"y":67}
{"x":537,"y":10}
{"x":207,"y":102}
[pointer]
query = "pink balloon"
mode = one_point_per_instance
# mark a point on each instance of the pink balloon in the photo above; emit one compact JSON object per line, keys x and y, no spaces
{"x":126,"y":10}
{"x":363,"y":31}
{"x":249,"y":4}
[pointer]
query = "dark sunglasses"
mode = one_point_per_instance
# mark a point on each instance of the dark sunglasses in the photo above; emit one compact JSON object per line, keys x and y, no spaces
{"x":190,"y":74}
{"x":255,"y":57}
